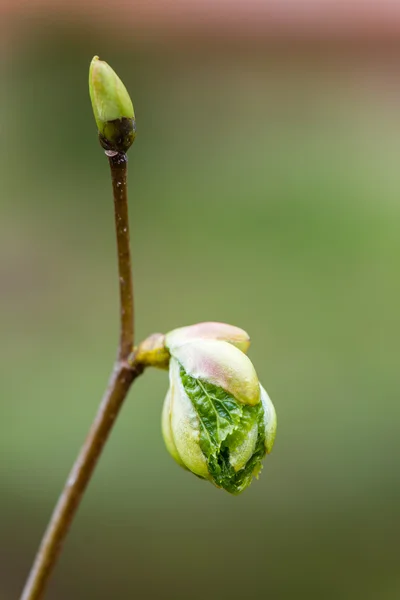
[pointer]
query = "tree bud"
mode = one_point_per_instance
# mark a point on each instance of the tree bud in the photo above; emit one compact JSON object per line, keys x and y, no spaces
{"x":112,"y":107}
{"x":217,"y":422}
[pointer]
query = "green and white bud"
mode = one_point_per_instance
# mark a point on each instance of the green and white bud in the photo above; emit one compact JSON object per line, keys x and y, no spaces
{"x":112,"y":107}
{"x":217,"y":422}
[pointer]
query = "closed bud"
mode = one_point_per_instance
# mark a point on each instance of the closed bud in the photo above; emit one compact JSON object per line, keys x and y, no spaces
{"x":112,"y":107}
{"x":218,"y":422}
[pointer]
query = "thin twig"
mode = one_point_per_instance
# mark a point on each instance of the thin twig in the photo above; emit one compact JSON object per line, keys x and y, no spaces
{"x":123,"y":375}
{"x":118,"y":165}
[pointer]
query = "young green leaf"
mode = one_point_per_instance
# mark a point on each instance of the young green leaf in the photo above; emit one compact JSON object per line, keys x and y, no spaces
{"x":232,"y":435}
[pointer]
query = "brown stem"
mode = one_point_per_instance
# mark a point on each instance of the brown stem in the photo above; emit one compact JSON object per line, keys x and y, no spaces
{"x":118,"y":164}
{"x":123,"y":375}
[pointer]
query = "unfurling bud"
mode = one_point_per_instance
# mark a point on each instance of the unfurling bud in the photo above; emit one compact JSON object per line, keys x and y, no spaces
{"x":218,"y":421}
{"x":112,"y":107}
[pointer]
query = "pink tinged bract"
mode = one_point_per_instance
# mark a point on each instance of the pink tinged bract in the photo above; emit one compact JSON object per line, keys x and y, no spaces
{"x":221,"y":364}
{"x":208,"y":330}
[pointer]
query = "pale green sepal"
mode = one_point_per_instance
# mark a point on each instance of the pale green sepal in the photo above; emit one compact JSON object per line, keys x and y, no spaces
{"x":152,"y":352}
{"x":239,"y":456}
{"x":167,"y":431}
{"x":185,"y":425}
{"x":220,"y":364}
{"x":208,"y":330}
{"x":270,"y":419}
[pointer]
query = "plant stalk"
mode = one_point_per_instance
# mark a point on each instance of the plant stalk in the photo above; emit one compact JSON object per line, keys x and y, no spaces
{"x":123,"y":375}
{"x":118,"y":165}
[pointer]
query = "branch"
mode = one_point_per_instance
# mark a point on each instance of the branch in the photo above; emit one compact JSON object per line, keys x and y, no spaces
{"x":124,"y":373}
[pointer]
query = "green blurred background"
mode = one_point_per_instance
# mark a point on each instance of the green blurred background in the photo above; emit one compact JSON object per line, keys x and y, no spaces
{"x":264,"y":186}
